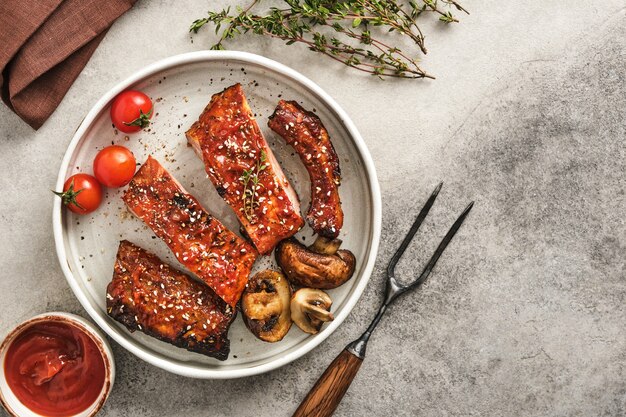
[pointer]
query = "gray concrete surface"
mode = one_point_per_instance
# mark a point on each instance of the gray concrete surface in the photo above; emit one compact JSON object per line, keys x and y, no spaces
{"x":524,"y":315}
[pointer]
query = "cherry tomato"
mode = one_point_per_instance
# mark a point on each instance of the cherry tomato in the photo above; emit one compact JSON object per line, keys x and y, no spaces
{"x":114,"y":166}
{"x":131,"y":111}
{"x":81,"y":194}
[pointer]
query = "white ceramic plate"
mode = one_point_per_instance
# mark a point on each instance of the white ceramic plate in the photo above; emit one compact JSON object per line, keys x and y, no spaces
{"x":180,"y":88}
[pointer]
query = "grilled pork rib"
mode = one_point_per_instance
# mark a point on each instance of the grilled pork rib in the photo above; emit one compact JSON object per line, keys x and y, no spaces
{"x":244,"y":171}
{"x":200,"y":242}
{"x":148,"y":295}
{"x":305,"y":132}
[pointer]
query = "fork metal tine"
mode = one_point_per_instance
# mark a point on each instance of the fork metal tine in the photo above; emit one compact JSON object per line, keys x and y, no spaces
{"x":442,"y":246}
{"x":409,"y":236}
{"x":393,"y":288}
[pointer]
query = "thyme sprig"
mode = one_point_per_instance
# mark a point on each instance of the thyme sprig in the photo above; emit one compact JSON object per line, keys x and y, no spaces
{"x":348,"y":31}
{"x":251,"y":185}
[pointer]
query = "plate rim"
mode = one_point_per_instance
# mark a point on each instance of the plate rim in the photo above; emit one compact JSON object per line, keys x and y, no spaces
{"x":355,"y":136}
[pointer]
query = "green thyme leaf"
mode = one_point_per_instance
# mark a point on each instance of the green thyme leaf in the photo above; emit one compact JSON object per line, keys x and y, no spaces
{"x":341,"y":30}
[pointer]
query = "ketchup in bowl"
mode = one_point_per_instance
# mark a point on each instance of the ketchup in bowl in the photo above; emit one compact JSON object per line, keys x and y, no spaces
{"x":55,"y":369}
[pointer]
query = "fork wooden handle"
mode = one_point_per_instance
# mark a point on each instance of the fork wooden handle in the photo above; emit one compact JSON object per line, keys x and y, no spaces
{"x":330,"y":388}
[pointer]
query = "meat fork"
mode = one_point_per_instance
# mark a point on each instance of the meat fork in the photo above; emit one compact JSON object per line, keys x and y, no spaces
{"x":330,"y":388}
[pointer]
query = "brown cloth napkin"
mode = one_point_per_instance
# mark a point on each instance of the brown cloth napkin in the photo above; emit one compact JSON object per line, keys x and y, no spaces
{"x":44,"y":45}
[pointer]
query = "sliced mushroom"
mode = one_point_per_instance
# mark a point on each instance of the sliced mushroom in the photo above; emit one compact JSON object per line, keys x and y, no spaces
{"x":310,"y":309}
{"x":321,"y":265}
{"x":265,"y":305}
{"x":325,"y":246}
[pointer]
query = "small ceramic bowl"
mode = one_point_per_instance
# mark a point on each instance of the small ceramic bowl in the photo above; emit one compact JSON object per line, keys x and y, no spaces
{"x":10,"y":401}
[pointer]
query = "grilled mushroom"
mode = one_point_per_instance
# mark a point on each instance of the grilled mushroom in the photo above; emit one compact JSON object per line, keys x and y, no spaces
{"x":310,"y":309}
{"x":265,"y":305}
{"x":321,"y":265}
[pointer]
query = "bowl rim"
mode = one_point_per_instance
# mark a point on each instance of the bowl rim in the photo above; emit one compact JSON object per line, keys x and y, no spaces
{"x":85,"y":326}
{"x":250,"y":58}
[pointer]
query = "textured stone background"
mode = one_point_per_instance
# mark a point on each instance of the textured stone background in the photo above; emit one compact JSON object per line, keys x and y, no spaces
{"x":524,"y":315}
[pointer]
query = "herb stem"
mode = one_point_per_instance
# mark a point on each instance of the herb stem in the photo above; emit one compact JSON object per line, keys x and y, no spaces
{"x":251,"y":184}
{"x":340,"y":30}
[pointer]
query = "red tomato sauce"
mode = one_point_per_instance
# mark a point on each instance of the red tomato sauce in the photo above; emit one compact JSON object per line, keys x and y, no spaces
{"x":55,"y":369}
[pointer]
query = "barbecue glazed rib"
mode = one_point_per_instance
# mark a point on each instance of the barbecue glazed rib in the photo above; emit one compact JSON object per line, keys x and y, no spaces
{"x":244,"y":171}
{"x":200,"y":242}
{"x":148,"y":295}
{"x":305,"y":132}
